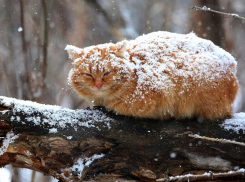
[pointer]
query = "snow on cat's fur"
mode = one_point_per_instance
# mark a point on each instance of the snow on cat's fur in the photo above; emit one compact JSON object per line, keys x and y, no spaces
{"x":160,"y":75}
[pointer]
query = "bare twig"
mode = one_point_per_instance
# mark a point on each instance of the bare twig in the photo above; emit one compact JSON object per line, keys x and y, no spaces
{"x":205,"y":176}
{"x":204,"y":8}
{"x":217,"y":140}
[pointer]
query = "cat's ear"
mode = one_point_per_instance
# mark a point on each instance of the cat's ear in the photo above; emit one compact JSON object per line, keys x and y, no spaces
{"x":122,"y":49}
{"x":74,"y":52}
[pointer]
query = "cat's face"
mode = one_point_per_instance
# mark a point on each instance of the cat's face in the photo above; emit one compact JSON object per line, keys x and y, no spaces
{"x":95,"y":76}
{"x":94,"y":79}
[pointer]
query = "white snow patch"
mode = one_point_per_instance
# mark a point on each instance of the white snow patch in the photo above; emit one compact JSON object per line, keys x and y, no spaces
{"x":234,"y":15}
{"x":180,"y":177}
{"x":210,"y":173}
{"x":173,"y":155}
{"x":10,"y":137}
{"x":53,"y":130}
{"x":207,"y":174}
{"x":6,"y":175}
{"x":73,"y":50}
{"x":236,"y":123}
{"x":20,"y":29}
{"x":210,"y":162}
{"x":55,"y":116}
{"x":81,"y":163}
{"x":69,"y":137}
{"x":242,"y":170}
{"x":205,"y":8}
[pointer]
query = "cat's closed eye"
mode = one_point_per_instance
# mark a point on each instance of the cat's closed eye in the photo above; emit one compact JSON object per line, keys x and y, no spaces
{"x":107,"y":73}
{"x":87,"y":74}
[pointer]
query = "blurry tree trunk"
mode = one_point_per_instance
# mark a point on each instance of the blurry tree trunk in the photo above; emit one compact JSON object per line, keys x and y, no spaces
{"x":15,"y":175}
{"x":206,"y":24}
{"x":33,"y":175}
{"x":45,"y":46}
{"x":213,"y":26}
{"x":11,"y":89}
{"x":33,"y":85}
{"x":210,"y":25}
{"x":114,"y":23}
{"x":128,"y":148}
{"x":227,"y":26}
{"x":25,"y":82}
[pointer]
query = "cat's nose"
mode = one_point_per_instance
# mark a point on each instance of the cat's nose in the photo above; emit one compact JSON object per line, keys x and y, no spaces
{"x":99,"y":85}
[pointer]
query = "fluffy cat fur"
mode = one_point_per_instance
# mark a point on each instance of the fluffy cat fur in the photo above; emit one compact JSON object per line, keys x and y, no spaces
{"x":160,"y":75}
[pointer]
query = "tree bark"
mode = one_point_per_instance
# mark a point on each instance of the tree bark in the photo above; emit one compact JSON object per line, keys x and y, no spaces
{"x":95,"y":144}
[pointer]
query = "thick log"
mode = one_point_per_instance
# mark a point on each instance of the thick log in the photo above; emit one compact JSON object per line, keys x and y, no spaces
{"x":93,"y":144}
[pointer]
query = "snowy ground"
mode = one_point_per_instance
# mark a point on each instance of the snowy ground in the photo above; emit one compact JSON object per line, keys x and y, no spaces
{"x":236,"y":123}
{"x":24,"y":175}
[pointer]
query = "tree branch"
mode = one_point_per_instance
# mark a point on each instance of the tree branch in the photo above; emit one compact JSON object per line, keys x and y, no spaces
{"x":216,"y":139}
{"x":93,"y":144}
{"x":204,"y":8}
{"x":206,"y":176}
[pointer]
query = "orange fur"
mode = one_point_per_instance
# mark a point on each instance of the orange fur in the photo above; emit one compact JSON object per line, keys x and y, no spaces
{"x":179,"y":96}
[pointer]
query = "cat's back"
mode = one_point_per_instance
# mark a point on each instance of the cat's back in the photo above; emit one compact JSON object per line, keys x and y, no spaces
{"x":164,"y":59}
{"x":189,"y":76}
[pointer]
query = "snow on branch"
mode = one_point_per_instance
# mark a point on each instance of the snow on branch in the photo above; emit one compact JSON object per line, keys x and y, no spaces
{"x":205,"y":8}
{"x":201,"y":177}
{"x":52,"y":118}
{"x":10,"y":137}
{"x":216,"y":139}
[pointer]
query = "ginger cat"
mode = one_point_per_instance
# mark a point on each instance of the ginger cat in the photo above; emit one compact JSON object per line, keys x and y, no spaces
{"x":160,"y":75}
